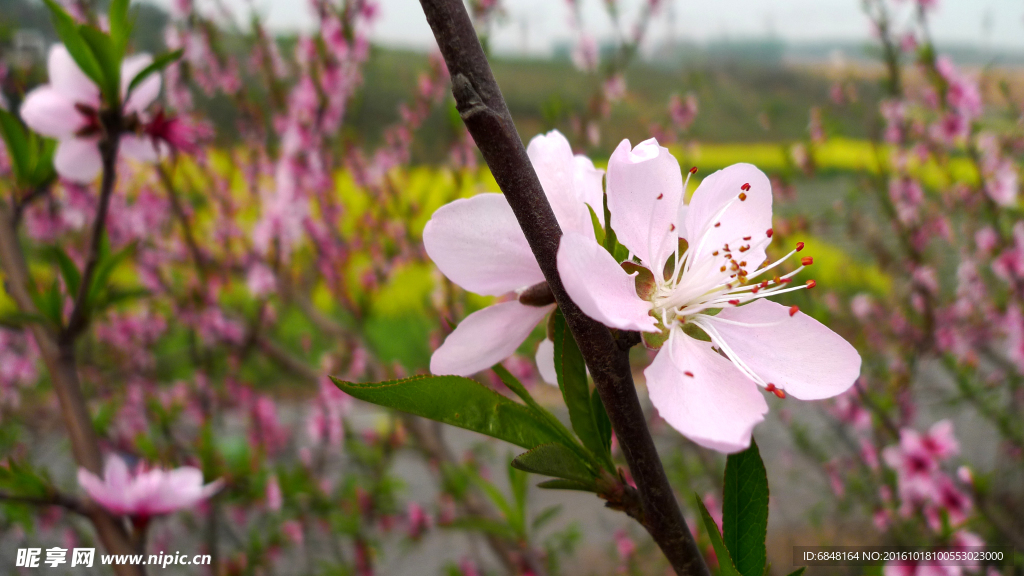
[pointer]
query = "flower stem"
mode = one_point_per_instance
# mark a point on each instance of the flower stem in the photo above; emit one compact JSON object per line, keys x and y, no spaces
{"x":483,"y":110}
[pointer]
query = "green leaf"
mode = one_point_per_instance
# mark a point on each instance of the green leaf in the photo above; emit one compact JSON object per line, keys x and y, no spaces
{"x":460,"y":402}
{"x":15,"y":319}
{"x":561,"y":484}
{"x":106,"y":54}
{"x":68,"y":270}
{"x":159,"y":63}
{"x":105,"y":267}
{"x":41,"y":153}
{"x":555,"y":460}
{"x":492,"y":527}
{"x":745,"y":510}
{"x":68,"y":32}
{"x":546,"y":515}
{"x":725,"y":564}
{"x":798,"y":571}
{"x":610,"y":241}
{"x":596,"y":223}
{"x":120,"y":25}
{"x":17,"y":143}
{"x":572,"y":379}
{"x":604,"y":425}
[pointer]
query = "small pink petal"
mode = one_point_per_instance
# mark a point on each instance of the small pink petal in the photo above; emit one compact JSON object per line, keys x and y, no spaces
{"x":796,"y":353}
{"x":588,"y":181}
{"x":478,"y":244}
{"x":751,"y":217}
{"x":717,"y":407}
{"x":68,"y":79}
{"x":546,"y":362}
{"x":645,"y":189}
{"x":553,"y":161}
{"x":51,"y":113}
{"x":141,"y":148}
{"x":78,"y":160}
{"x":600,"y":287}
{"x":486,"y":337}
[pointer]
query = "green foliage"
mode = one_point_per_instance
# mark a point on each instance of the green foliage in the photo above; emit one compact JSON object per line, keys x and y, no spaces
{"x":159,"y":64}
{"x":725,"y":564}
{"x":555,"y":460}
{"x":745,"y":510}
{"x":460,"y":402}
{"x":81,"y":51}
{"x":31,"y":156}
{"x":572,"y":380}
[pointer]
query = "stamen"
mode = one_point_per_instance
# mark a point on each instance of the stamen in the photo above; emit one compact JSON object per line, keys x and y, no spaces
{"x":743,"y":196}
{"x":693,"y":170}
{"x":688,"y":373}
{"x":807,"y":260}
{"x":745,"y":187}
{"x":770,"y":232}
{"x":793,"y":310}
{"x":799,"y":246}
{"x":811,"y":284}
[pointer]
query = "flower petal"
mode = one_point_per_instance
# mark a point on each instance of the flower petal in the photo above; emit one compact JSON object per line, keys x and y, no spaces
{"x":486,"y":337}
{"x":645,"y":189}
{"x":600,"y":287}
{"x":68,"y":79}
{"x":141,"y":148}
{"x":796,"y":353}
{"x":588,"y":181}
{"x":546,"y":362}
{"x":717,"y":407}
{"x":146,"y":92}
{"x":48,"y":112}
{"x":477,"y":243}
{"x":747,"y":218}
{"x":78,"y":160}
{"x":555,"y":165}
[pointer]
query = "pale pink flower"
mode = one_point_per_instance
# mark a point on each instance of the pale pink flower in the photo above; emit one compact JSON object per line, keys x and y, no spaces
{"x":585,"y":54}
{"x":711,"y":398}
{"x":146,"y":493}
{"x":274,"y":497}
{"x":67,"y":109}
{"x":477,"y":243}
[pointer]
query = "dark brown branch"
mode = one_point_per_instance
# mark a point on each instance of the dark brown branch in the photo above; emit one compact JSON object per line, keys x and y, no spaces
{"x":483,"y":110}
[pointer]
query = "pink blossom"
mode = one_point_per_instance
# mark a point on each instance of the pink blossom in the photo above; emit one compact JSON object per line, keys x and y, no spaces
{"x":274,"y":498}
{"x":67,"y":109}
{"x":585,"y":54}
{"x":711,"y":398}
{"x":418,"y":521}
{"x":478,"y":244}
{"x":682,"y":110}
{"x":146,"y":493}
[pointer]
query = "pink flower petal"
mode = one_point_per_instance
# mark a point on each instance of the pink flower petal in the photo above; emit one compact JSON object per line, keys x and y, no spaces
{"x":50,"y":113}
{"x":600,"y":287}
{"x":477,"y":243}
{"x":546,"y":362}
{"x":747,"y":218}
{"x":145,"y":93}
{"x":486,"y":337}
{"x":717,"y":407}
{"x":141,"y":148}
{"x":69,"y":80}
{"x":553,"y":161}
{"x":78,"y":159}
{"x":645,"y":189}
{"x":588,"y":181}
{"x":796,"y":353}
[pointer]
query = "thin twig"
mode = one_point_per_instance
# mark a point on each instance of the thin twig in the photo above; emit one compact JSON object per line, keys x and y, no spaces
{"x":485,"y":114}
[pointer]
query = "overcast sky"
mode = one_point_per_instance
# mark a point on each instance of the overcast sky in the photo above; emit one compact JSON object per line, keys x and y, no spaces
{"x":536,"y":25}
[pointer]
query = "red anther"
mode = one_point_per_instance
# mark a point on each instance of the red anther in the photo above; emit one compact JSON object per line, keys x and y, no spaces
{"x":764,"y":284}
{"x":770,"y":387}
{"x":743,"y":196}
{"x":770,"y":232}
{"x":722,"y":269}
{"x":743,"y":263}
{"x":745,"y":187}
{"x":777,"y":279}
{"x":673,"y":228}
{"x":717,"y":224}
{"x":746,"y":237}
{"x":786,"y":280}
{"x":660,"y":196}
{"x":793,"y":310}
{"x":734,"y":302}
{"x":799,"y":246}
{"x":811,"y":284}
{"x":715,"y":253}
{"x":780,"y":393}
{"x":688,"y":373}
{"x":756,"y":289}
{"x":807,"y":260}
{"x":693,"y":170}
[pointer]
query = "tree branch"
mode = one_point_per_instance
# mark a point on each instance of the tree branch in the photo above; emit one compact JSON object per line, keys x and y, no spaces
{"x":483,"y":110}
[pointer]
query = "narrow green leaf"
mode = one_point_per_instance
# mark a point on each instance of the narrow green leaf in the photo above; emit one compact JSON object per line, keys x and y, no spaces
{"x":159,"y":63}
{"x":725,"y":564}
{"x":106,"y":266}
{"x":41,"y":152}
{"x":107,"y":57}
{"x":745,"y":510}
{"x":572,"y":379}
{"x":798,"y":571}
{"x":120,"y":25}
{"x":596,"y":223}
{"x":610,"y":241}
{"x":561,"y":484}
{"x":17,"y":143}
{"x":68,"y":32}
{"x":68,"y":269}
{"x":604,"y":425}
{"x":460,"y":402}
{"x":546,"y":515}
{"x":15,"y":319}
{"x":555,"y":460}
